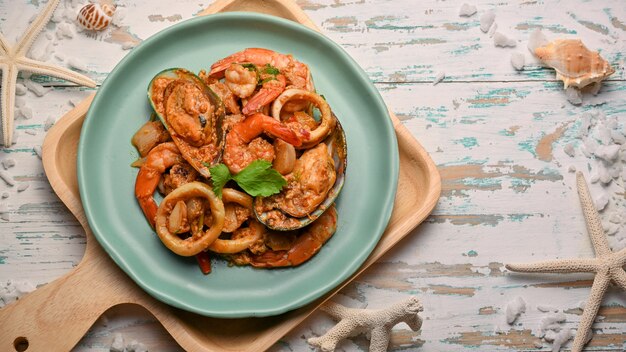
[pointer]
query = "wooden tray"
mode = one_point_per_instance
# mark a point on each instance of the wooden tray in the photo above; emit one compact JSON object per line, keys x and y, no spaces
{"x":57,"y":315}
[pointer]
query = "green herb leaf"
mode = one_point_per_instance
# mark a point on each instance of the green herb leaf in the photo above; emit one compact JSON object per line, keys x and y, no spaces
{"x":270,"y":70}
{"x":250,"y":67}
{"x":219,"y":175}
{"x":262,"y":82}
{"x":259,"y":179}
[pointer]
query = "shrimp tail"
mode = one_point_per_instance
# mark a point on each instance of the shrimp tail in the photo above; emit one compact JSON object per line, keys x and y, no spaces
{"x":285,"y":133}
{"x":258,"y":123}
{"x":257,"y":56}
{"x":277,"y":129}
{"x":158,"y":160}
{"x":268,"y":93}
{"x":147,"y":181}
{"x":270,"y":260}
{"x":218,"y":68}
{"x":304,"y":248}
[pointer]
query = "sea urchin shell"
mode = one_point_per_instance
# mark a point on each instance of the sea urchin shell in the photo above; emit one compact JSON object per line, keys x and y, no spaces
{"x":575,"y":65}
{"x":95,"y":17}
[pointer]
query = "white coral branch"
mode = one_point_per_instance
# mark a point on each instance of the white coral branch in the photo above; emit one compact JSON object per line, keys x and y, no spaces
{"x":378,"y":322}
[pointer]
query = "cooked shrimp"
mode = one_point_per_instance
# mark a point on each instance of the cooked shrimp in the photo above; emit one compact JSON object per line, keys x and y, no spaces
{"x":256,"y":56}
{"x":243,"y":147}
{"x":296,"y":72}
{"x":160,"y":158}
{"x":290,"y":72}
{"x":241,"y":80}
{"x":271,"y":88}
{"x":303,"y":248}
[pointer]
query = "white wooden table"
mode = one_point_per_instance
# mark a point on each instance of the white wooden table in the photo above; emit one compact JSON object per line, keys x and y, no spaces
{"x":497,"y":135}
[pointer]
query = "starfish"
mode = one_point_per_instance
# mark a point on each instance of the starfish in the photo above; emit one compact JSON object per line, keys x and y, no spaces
{"x":607,"y":265}
{"x":378,"y":322}
{"x":13,"y":60}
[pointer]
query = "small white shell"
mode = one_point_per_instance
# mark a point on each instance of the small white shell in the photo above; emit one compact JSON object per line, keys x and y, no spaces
{"x":95,"y":17}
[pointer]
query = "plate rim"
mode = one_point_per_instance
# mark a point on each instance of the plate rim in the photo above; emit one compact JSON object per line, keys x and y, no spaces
{"x":387,"y":203}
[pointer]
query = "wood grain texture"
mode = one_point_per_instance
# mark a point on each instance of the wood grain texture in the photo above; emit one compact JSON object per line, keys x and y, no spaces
{"x":68,"y":301}
{"x":506,"y":196}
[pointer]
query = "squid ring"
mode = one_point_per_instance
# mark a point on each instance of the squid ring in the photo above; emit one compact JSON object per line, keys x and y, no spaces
{"x":240,"y":244}
{"x":194,"y":244}
{"x":230,"y":195}
{"x":326,"y":125}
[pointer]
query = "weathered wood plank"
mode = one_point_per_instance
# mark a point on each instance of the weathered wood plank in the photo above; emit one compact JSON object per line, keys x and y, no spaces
{"x":412,"y":41}
{"x":507,"y":193}
{"x":399,"y":41}
{"x":484,"y":217}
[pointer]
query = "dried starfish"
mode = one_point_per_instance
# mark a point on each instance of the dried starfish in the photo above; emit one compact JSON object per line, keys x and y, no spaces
{"x":13,"y":60}
{"x":355,"y":321}
{"x":607,"y":265}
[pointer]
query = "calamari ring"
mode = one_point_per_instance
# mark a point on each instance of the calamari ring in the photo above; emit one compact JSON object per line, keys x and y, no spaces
{"x":240,"y":244}
{"x":328,"y":120}
{"x":230,"y":195}
{"x":194,"y":244}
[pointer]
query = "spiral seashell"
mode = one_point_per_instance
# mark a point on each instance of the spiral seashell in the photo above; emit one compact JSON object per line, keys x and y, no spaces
{"x":575,"y":65}
{"x":95,"y":17}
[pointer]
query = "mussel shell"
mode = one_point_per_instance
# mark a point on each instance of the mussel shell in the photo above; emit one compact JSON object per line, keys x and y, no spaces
{"x":337,"y":146}
{"x":177,"y":74}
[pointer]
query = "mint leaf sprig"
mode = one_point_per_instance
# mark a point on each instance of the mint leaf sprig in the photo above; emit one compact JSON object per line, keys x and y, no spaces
{"x":257,"y":179}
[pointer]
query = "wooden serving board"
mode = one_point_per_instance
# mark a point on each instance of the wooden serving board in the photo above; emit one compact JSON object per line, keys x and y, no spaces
{"x":56,"y":316}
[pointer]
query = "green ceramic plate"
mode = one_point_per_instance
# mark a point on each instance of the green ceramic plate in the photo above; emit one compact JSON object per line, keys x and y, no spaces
{"x":107,"y":181}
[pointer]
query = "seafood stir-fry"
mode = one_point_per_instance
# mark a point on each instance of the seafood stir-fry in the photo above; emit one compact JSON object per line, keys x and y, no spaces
{"x":249,"y":158}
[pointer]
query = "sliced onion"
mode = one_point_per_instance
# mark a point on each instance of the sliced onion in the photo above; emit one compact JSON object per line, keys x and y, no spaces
{"x":177,"y":217}
{"x":285,"y":159}
{"x":148,"y":136}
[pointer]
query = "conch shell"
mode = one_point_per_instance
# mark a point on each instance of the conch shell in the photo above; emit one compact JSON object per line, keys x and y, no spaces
{"x":95,"y":17}
{"x":575,"y":65}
